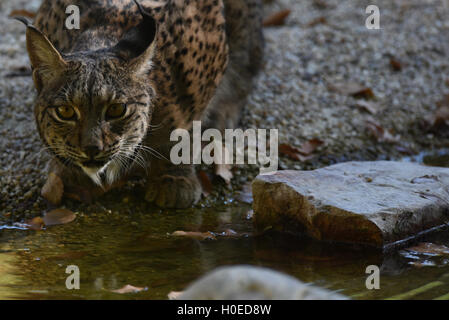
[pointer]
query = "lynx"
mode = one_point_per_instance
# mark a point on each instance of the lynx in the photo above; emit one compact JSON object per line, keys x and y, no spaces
{"x":110,"y":93}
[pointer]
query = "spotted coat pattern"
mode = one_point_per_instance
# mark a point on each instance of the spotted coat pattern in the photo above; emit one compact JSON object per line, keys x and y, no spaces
{"x":205,"y":55}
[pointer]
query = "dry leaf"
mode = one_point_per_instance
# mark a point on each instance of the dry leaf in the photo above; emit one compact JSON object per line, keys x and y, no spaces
{"x":36,"y":223}
{"x":380,"y":133}
{"x":174,"y":295}
{"x":224,"y":171}
{"x":369,"y":106}
{"x":22,"y":13}
{"x":430,"y":249}
{"x":277,"y":19}
{"x":129,"y":289}
{"x":422,"y":263}
{"x":426,"y":254}
{"x":303,"y":153}
{"x":310,"y":146}
{"x":317,"y":21}
{"x":353,"y":89}
{"x":293,"y":153}
{"x":396,"y":65}
{"x":59,"y":216}
{"x":53,"y":189}
{"x":195,"y":235}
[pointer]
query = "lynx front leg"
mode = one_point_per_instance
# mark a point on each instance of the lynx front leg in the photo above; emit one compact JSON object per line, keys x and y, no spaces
{"x":171,"y":186}
{"x":65,"y":183}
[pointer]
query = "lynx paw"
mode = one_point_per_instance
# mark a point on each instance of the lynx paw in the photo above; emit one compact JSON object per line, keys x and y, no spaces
{"x":174,"y":191}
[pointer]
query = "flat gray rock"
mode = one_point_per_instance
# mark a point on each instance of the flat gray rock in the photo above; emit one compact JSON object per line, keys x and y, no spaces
{"x":253,"y":283}
{"x":374,"y":203}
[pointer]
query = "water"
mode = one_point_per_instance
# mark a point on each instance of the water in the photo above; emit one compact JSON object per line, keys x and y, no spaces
{"x":116,"y":249}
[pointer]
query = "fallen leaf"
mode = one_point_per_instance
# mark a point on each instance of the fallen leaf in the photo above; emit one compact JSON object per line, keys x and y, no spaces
{"x":353,"y":89}
{"x":381,"y":134}
{"x":423,"y":263}
{"x":22,"y":13}
{"x":174,"y":295}
{"x":206,"y":183}
{"x":317,"y":21}
{"x":224,"y":171}
{"x":303,"y":153}
{"x":430,"y":249}
{"x":53,"y":189}
{"x":293,"y":153}
{"x":395,"y":64}
{"x":58,"y":216}
{"x":370,"y":106}
{"x":426,"y":254}
{"x":195,"y":235}
{"x":277,"y":19}
{"x":37,"y":223}
{"x":129,"y":289}
{"x":310,"y":146}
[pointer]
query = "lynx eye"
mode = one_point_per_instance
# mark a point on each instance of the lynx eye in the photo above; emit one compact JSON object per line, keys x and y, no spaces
{"x":116,"y":111}
{"x":65,"y":112}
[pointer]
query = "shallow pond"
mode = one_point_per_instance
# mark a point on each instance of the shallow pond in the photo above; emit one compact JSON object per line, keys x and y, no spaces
{"x":115,"y":249}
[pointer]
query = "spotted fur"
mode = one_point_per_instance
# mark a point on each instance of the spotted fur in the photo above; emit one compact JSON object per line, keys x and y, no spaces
{"x":170,"y":62}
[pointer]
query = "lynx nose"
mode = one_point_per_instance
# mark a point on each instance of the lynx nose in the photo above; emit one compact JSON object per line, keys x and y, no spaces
{"x":92,"y":151}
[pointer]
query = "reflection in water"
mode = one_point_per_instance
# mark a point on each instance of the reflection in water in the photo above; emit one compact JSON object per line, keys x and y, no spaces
{"x":438,"y":158}
{"x":9,"y":281}
{"x":113,"y":250}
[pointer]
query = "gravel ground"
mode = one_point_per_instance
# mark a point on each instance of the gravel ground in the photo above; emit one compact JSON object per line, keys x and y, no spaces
{"x":293,"y":93}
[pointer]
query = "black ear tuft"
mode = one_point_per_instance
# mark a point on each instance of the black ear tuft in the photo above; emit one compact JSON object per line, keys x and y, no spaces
{"x":137,"y":40}
{"x":23,"y":20}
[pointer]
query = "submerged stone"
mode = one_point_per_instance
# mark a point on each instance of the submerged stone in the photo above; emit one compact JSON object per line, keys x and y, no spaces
{"x":375,"y":203}
{"x":254,"y":283}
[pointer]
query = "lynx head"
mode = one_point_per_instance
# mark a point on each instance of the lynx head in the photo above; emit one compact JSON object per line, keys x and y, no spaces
{"x":94,"y":107}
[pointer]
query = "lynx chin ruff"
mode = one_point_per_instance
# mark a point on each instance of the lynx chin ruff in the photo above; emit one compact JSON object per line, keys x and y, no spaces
{"x":110,"y":93}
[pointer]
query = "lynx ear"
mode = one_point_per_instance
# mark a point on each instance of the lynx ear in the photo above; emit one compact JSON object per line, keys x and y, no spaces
{"x":46,"y":61}
{"x":137,"y":45}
